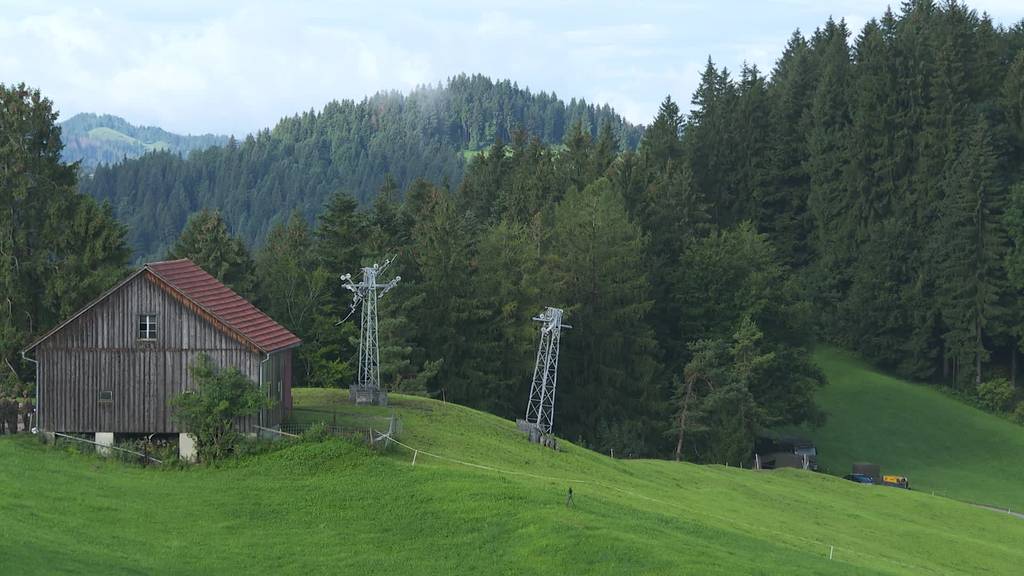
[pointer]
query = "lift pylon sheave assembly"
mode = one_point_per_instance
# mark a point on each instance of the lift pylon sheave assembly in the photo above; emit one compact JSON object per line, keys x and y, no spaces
{"x":366,"y":389}
{"x":540,"y":412}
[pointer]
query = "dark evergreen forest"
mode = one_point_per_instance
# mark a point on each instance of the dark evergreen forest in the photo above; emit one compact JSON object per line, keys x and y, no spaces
{"x":346,"y":147}
{"x":868,"y":192}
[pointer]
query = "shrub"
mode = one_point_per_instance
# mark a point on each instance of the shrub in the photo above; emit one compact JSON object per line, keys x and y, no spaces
{"x":316,"y":433}
{"x":254,"y":446}
{"x":996,"y":394}
{"x":209,"y":412}
{"x":1018,"y":413}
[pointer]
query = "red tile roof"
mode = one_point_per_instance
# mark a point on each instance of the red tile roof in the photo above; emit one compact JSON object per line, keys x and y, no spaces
{"x":222,"y":302}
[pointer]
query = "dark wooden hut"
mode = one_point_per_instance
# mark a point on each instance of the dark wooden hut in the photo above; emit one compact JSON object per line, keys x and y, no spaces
{"x":113,"y":367}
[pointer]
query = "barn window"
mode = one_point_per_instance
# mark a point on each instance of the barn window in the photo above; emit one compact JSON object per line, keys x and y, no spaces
{"x":106,"y":396}
{"x":147,"y":327}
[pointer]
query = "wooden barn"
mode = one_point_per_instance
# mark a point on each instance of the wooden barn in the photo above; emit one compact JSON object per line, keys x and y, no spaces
{"x":114,"y":366}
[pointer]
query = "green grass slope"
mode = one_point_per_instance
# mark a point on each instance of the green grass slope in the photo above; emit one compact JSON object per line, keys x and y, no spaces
{"x":104,"y":133}
{"x":493,"y":504}
{"x":938,"y":442}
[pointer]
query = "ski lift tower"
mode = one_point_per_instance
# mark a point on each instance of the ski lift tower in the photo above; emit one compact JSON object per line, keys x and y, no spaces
{"x":540,"y":412}
{"x":366,"y":389}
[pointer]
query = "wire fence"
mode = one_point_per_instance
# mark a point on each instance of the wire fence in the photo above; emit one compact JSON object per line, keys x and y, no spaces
{"x":124,"y":453}
{"x":365,"y":428}
{"x":813,"y":545}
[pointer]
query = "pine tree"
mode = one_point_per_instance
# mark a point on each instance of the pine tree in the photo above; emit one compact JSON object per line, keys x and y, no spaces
{"x":716,"y":405}
{"x":732,"y":290}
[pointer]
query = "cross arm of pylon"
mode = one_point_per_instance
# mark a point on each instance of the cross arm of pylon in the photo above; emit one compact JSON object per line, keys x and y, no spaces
{"x":381,"y":268}
{"x":385,"y":288}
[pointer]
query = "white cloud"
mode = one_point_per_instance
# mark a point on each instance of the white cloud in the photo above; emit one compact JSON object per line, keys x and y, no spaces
{"x":232,"y":73}
{"x":237,"y":66}
{"x":616,"y":34}
{"x":494,"y":25}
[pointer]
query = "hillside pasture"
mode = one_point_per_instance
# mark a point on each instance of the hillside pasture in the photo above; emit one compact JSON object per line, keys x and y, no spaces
{"x":480,"y":499}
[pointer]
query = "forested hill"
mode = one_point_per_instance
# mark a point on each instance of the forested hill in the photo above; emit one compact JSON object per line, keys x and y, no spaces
{"x":348,"y":146}
{"x":870,"y":191}
{"x":104,"y":139}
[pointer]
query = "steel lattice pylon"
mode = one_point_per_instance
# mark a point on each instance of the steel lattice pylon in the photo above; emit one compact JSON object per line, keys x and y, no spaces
{"x":366,"y":389}
{"x":540,"y":412}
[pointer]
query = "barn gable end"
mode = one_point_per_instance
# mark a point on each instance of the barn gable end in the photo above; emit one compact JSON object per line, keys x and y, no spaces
{"x":98,"y":374}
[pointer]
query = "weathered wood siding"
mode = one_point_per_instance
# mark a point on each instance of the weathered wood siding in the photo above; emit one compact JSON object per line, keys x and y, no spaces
{"x":274,"y":374}
{"x":100,"y":351}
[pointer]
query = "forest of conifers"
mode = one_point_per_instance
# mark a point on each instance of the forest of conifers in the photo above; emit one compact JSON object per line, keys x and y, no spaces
{"x":347,"y":147}
{"x":868,"y":192}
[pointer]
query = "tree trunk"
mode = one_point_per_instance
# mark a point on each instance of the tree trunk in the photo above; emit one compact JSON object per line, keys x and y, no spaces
{"x":1013,"y":365}
{"x":682,"y":419}
{"x":977,"y":352}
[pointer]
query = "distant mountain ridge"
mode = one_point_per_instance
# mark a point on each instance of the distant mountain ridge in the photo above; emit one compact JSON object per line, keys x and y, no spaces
{"x":95,"y":139}
{"x":348,"y":146}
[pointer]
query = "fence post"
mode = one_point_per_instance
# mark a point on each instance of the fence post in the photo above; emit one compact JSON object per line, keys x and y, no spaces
{"x":391,"y":430}
{"x":831,"y":549}
{"x":414,"y":454}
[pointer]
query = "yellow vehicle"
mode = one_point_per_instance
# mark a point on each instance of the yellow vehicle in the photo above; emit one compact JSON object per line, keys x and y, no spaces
{"x":898,"y":481}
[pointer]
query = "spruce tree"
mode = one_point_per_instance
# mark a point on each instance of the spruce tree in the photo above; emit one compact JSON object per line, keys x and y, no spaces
{"x":58,"y":248}
{"x":448,"y":320}
{"x":293,"y":290}
{"x":783,"y":200}
{"x":508,"y":283}
{"x":828,"y":159}
{"x":752,"y":142}
{"x":972,"y":245}
{"x":207,"y":242}
{"x":661,"y":142}
{"x":595,"y":271}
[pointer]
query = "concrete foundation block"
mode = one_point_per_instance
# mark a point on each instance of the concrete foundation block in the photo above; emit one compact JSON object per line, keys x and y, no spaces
{"x":363,"y":395}
{"x":104,"y":440}
{"x":187,"y":447}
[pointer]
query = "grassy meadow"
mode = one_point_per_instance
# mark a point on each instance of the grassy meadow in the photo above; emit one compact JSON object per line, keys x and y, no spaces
{"x":940,"y":443}
{"x":494,"y":504}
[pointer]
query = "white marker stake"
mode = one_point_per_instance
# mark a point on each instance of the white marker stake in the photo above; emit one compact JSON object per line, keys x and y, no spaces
{"x":414,"y":453}
{"x":831,"y":549}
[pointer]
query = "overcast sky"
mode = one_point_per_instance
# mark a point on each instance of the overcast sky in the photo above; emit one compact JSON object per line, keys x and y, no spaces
{"x":234,"y":67}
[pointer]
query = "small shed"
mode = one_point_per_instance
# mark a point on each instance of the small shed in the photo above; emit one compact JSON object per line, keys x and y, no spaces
{"x":114,"y":366}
